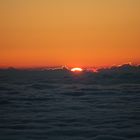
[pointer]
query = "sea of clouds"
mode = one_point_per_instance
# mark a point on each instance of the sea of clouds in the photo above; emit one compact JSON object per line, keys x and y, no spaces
{"x":61,"y":105}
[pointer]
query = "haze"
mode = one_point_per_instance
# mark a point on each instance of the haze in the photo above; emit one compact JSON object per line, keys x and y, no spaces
{"x":69,"y":32}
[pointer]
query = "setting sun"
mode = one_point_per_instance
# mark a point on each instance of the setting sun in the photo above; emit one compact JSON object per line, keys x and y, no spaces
{"x":76,"y":69}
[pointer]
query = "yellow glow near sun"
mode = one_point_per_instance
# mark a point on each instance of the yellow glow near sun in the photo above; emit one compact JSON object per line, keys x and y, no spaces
{"x":76,"y":69}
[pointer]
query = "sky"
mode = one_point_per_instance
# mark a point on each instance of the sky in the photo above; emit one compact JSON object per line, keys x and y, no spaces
{"x":75,"y":33}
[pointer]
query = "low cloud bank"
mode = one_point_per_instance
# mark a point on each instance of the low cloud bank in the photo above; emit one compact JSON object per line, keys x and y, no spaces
{"x":117,"y":74}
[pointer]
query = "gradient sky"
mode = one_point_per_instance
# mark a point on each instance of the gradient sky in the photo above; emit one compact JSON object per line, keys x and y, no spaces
{"x":69,"y":32}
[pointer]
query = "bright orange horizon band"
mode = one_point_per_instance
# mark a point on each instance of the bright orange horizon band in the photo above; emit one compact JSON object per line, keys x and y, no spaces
{"x":75,"y":33}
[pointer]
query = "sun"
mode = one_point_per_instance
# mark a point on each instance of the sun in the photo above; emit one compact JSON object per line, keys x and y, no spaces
{"x":76,"y":69}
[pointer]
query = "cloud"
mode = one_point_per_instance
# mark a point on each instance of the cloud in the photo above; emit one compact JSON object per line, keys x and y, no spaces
{"x":126,"y":73}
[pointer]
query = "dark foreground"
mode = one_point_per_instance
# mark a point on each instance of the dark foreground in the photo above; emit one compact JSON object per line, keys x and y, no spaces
{"x":49,"y":107}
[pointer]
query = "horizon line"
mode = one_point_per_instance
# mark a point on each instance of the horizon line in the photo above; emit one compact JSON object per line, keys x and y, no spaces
{"x":67,"y":67}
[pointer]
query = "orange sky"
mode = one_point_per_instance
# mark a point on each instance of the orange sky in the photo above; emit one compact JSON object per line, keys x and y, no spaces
{"x":69,"y":32}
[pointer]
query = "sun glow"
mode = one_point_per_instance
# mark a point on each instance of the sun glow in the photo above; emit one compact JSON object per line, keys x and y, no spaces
{"x":76,"y":69}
